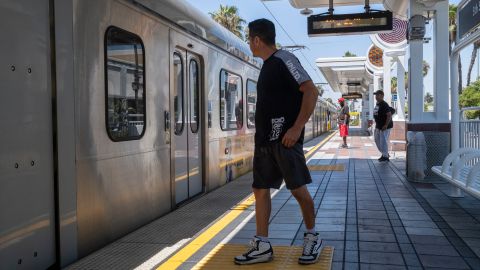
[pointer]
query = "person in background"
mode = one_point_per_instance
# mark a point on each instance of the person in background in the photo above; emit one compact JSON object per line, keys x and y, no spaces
{"x":343,"y":120}
{"x":383,"y":124}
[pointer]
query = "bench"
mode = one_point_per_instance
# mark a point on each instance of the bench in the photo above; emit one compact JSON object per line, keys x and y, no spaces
{"x":461,"y":168}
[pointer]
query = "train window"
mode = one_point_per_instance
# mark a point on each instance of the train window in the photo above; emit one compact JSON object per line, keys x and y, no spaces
{"x":178,"y":93}
{"x":251,"y":103}
{"x":231,"y":101}
{"x":194,"y":95}
{"x":125,"y":91}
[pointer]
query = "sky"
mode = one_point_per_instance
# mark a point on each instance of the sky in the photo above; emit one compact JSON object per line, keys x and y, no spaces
{"x":288,"y":20}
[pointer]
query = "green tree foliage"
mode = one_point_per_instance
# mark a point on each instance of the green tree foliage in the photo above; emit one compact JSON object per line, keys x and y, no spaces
{"x":428,"y":98}
{"x":349,"y":54}
{"x":394,"y":84}
{"x":228,"y":17}
{"x":470,"y":97}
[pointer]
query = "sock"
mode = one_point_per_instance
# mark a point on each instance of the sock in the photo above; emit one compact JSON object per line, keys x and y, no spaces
{"x":262,"y":238}
{"x":312,"y":230}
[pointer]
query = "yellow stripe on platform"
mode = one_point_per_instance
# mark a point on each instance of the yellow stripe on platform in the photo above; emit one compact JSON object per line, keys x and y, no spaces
{"x":191,"y":248}
{"x":332,"y":167}
{"x":311,"y":151}
{"x":285,"y":257}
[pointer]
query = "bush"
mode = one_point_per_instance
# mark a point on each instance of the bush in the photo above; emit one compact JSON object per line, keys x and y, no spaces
{"x":470,"y":97}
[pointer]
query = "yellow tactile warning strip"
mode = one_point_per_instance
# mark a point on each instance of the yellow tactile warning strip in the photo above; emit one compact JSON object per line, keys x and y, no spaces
{"x":187,"y":251}
{"x":333,"y":167}
{"x":285,"y":257}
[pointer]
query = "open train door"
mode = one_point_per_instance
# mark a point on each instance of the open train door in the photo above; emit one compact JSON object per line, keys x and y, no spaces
{"x":27,"y":212}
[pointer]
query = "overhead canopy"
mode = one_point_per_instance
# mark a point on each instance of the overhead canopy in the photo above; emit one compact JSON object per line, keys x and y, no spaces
{"x":346,"y":75}
{"x":398,"y":7}
{"x":324,"y":3}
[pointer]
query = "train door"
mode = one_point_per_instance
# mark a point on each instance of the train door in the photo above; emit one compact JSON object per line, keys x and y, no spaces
{"x":187,"y":128}
{"x":27,"y":212}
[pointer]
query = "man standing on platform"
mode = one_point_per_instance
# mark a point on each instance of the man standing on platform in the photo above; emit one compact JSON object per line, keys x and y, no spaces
{"x":286,"y":97}
{"x":383,"y":124}
{"x":343,"y":121}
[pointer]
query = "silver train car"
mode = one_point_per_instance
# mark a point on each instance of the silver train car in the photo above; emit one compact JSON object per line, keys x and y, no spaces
{"x":114,"y":113}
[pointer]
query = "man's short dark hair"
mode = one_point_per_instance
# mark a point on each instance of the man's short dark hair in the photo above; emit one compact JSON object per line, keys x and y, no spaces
{"x":264,"y":29}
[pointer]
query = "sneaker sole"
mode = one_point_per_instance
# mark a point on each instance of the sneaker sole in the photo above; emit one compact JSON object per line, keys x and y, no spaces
{"x":309,"y":262}
{"x":257,"y":260}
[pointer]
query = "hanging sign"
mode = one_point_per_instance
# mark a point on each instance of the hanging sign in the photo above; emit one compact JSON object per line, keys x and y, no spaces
{"x":352,"y":96}
{"x":468,"y":17}
{"x":373,"y":22}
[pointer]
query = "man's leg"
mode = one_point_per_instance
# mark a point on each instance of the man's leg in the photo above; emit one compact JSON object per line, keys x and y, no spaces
{"x":306,"y":204}
{"x":263,"y":208}
{"x":385,"y":136}
{"x":260,"y":249}
{"x":378,"y":140}
{"x":312,"y":244}
{"x":344,"y":140}
{"x":266,"y":175}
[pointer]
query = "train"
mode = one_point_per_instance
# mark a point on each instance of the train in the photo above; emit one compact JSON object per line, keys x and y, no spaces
{"x":115,"y":113}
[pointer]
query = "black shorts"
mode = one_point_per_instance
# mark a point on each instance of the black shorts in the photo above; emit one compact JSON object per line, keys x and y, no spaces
{"x":274,"y":163}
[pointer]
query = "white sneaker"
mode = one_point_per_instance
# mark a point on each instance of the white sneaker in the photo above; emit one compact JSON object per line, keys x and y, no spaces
{"x":312,"y":247}
{"x":259,"y":251}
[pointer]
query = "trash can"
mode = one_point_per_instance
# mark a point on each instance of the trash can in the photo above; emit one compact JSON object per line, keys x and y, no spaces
{"x":416,"y":156}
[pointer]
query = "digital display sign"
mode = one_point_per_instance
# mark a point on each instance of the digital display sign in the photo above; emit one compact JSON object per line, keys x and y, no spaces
{"x":372,"y":22}
{"x":352,"y":96}
{"x":468,"y":17}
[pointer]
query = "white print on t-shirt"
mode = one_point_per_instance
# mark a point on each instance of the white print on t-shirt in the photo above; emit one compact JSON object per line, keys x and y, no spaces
{"x":277,"y":126}
{"x":293,"y":66}
{"x":293,"y":70}
{"x":375,"y":110}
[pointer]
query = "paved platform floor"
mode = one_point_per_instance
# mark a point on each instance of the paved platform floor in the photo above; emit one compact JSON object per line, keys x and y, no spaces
{"x":369,"y":212}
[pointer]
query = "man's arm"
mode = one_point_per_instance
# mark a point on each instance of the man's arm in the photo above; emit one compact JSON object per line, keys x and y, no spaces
{"x":309,"y":100}
{"x":389,"y":118}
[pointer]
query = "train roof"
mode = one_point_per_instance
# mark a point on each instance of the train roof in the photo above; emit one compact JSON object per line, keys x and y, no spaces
{"x":195,"y":21}
{"x":326,"y":103}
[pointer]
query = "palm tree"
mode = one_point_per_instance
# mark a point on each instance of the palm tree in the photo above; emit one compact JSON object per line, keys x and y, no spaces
{"x":246,"y":31}
{"x":228,"y":17}
{"x":452,"y":24}
{"x":425,"y":68}
{"x":476,"y":45}
{"x":452,"y":28}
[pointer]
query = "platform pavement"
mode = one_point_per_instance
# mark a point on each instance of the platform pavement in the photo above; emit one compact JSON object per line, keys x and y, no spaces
{"x":369,"y":212}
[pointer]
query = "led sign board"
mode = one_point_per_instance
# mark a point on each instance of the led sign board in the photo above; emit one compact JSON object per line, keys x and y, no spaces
{"x":352,"y":96}
{"x":468,"y":17}
{"x":372,"y":22}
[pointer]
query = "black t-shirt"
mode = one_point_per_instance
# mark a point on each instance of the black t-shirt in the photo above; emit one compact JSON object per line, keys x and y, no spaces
{"x":278,"y":97}
{"x":380,"y":115}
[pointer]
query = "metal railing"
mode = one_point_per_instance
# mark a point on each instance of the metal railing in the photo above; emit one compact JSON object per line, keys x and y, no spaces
{"x":469,"y":129}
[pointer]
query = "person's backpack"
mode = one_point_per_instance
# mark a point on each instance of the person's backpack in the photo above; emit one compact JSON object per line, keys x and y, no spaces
{"x":392,"y":110}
